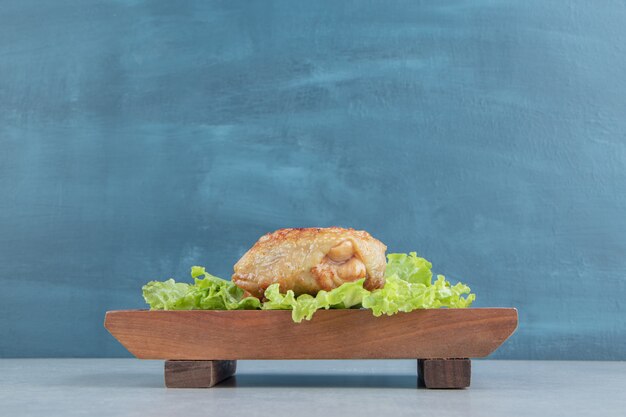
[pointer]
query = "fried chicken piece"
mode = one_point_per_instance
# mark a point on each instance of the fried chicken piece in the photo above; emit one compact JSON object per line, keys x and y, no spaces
{"x":311,"y":259}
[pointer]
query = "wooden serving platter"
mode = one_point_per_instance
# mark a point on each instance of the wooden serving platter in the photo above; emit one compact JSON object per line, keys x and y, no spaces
{"x":201,"y":346}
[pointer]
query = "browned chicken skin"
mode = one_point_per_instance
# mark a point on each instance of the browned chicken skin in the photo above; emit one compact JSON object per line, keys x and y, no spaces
{"x":311,"y":259}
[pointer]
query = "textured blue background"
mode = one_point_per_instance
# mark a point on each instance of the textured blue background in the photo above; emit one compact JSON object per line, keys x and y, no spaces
{"x":139,"y":138}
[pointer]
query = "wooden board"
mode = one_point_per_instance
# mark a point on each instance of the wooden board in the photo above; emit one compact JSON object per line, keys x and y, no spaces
{"x":331,"y":334}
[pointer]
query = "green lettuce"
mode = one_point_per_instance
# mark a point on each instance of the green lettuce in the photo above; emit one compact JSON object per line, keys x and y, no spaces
{"x":206,"y":293}
{"x":169,"y":295}
{"x":348,"y":295}
{"x":410,"y":268}
{"x":408,"y":287}
{"x":401,"y":295}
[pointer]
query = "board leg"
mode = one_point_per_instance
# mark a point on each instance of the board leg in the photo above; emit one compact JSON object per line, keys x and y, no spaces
{"x":444,"y":373}
{"x":197,"y":374}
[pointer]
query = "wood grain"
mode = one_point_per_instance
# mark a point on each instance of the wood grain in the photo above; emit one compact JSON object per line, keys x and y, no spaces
{"x":444,"y":373}
{"x":197,"y":374}
{"x":332,"y":334}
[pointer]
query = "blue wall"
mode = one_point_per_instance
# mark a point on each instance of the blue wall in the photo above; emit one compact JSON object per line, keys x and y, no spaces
{"x":140,"y":138}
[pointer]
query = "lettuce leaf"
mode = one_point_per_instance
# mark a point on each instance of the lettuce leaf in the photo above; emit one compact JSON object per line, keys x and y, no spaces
{"x":409,"y":286}
{"x":410,"y":268}
{"x":348,"y":295}
{"x":169,"y":295}
{"x":400,"y":295}
{"x":207,"y":293}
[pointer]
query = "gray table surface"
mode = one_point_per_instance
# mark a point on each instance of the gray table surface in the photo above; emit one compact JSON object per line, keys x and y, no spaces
{"x":130,"y":387}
